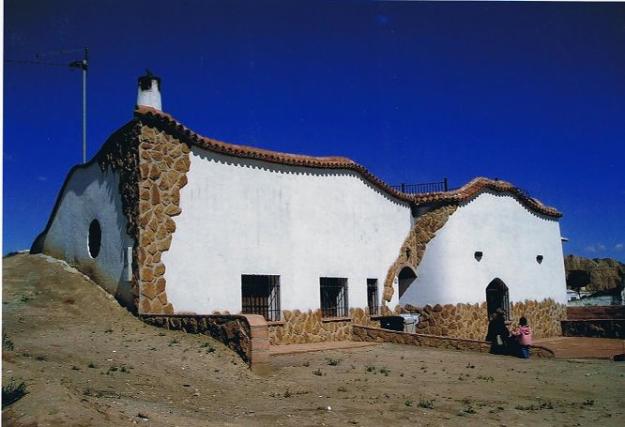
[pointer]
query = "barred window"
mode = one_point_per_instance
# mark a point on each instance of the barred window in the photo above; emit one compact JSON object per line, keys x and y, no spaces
{"x":261,"y":295}
{"x":334,"y":297}
{"x":372,"y":296}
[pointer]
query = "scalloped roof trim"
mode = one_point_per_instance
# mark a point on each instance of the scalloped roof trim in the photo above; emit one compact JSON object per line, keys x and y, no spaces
{"x":466,"y":192}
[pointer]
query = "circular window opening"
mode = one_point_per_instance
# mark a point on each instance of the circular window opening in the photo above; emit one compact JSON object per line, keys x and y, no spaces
{"x":95,"y":238}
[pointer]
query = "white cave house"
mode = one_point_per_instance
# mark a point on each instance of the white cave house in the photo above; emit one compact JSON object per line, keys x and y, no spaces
{"x":171,"y":222}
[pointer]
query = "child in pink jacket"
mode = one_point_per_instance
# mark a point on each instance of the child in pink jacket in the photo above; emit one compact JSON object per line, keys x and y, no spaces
{"x":523,"y":337}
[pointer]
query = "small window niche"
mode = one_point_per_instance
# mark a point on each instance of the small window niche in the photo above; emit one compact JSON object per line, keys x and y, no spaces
{"x":539,"y":259}
{"x":95,"y":238}
{"x":478,"y":255}
{"x":261,"y":295}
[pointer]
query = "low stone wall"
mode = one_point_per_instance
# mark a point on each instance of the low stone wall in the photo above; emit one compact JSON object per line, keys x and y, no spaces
{"x":246,"y":334}
{"x":369,"y":334}
{"x":299,"y":327}
{"x":596,"y":312}
{"x":470,"y":321}
{"x":595,"y":328}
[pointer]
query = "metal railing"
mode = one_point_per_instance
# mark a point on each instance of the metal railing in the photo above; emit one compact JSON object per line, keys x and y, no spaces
{"x":426,"y":187}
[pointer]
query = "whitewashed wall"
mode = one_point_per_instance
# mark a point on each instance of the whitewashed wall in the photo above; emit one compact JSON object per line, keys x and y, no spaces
{"x":510,"y":237}
{"x":249,"y":217}
{"x":91,"y":194}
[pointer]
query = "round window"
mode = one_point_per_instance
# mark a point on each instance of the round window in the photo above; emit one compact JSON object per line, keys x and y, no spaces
{"x":95,"y":238}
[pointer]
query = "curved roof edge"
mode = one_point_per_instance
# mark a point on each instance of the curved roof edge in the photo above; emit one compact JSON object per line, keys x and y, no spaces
{"x":481,"y":184}
{"x":468,"y":191}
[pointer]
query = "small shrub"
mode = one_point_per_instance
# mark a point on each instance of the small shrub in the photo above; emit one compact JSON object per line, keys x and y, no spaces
{"x":287,"y":393}
{"x":408,"y":402}
{"x":41,"y":358}
{"x":318,"y":372}
{"x":333,"y":362}
{"x":307,"y":364}
{"x":588,"y":402}
{"x":108,"y":331}
{"x":12,"y":392}
{"x":91,"y":365}
{"x":384,"y":371}
{"x":341,"y":389}
{"x":370,"y":369}
{"x":427,"y":404}
{"x":7,"y":344}
{"x":469,"y":410}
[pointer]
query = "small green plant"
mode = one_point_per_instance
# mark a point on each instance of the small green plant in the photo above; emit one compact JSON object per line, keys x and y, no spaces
{"x":425,"y":403}
{"x":341,"y":389}
{"x":12,"y":392}
{"x":384,"y":371}
{"x":7,"y":344}
{"x":469,"y":410}
{"x":91,"y":365}
{"x":41,"y":358}
{"x":408,"y":402}
{"x":370,"y":368}
{"x":333,"y":362}
{"x":486,"y":378}
{"x":588,"y":402}
{"x":318,"y":372}
{"x":307,"y":364}
{"x":287,"y":393}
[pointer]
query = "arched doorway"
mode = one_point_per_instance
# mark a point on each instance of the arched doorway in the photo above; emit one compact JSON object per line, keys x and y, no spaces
{"x":497,"y":297}
{"x":406,"y":277}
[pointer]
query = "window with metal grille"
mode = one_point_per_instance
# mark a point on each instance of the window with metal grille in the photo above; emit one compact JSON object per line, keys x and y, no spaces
{"x":334,"y":297}
{"x":372,"y":296}
{"x":261,"y":295}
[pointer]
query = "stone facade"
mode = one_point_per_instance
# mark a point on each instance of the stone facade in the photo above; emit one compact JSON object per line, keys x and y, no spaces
{"x":470,"y":321}
{"x":164,"y":162}
{"x":369,"y":334}
{"x":411,"y":253}
{"x":310,"y":327}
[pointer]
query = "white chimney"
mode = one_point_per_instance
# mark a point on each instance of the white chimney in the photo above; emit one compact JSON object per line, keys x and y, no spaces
{"x":149,"y":91}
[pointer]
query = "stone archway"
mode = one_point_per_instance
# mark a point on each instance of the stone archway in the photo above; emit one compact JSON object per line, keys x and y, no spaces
{"x":406,"y":277}
{"x":497,"y":297}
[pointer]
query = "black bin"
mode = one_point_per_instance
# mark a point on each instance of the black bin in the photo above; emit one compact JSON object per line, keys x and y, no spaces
{"x":394,"y":323}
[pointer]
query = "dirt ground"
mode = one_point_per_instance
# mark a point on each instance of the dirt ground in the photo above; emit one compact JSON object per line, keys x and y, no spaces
{"x":85,"y":361}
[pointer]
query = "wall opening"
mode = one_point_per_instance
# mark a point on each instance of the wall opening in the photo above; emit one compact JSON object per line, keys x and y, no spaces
{"x":372,"y":296}
{"x":334,"y":297}
{"x":497,"y":297}
{"x":261,"y":295}
{"x":95,"y":238}
{"x":406,"y":278}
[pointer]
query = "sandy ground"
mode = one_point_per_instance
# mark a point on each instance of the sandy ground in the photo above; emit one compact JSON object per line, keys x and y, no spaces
{"x":86,"y":361}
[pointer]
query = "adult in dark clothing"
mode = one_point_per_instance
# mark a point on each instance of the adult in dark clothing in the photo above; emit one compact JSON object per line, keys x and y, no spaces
{"x":498,"y":333}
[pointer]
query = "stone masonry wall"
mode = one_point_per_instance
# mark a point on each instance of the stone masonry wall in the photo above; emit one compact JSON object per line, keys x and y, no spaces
{"x":245,"y":334}
{"x":369,"y":334}
{"x":309,"y":327}
{"x":164,"y":162}
{"x":411,"y":253}
{"x":470,"y":321}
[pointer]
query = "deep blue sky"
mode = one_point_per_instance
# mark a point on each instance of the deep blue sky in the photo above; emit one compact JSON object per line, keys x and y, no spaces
{"x":533,"y":93}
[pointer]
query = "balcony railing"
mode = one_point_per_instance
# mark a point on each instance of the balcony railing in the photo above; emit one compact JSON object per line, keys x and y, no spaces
{"x":426,"y":187}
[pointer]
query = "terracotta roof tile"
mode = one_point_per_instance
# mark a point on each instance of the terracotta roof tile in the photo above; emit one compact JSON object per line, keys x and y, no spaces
{"x":468,"y":191}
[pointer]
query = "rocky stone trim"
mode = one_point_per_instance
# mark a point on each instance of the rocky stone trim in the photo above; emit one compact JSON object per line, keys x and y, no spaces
{"x":164,"y":163}
{"x":369,"y":334}
{"x":596,"y":328}
{"x":411,"y":253}
{"x":470,"y":321}
{"x":247,"y":334}
{"x":310,"y":327}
